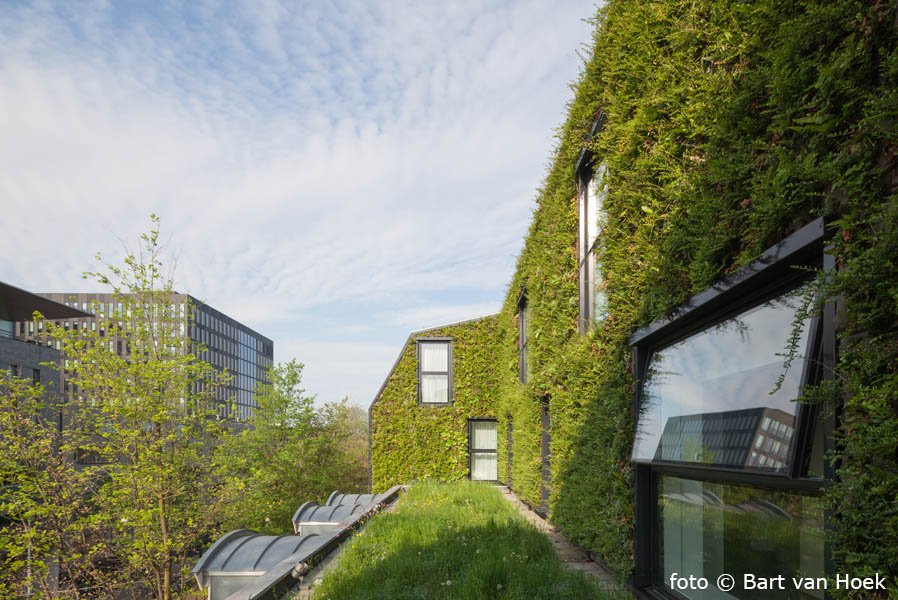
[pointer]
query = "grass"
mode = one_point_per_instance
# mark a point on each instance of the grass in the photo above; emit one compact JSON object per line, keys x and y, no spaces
{"x":460,"y":541}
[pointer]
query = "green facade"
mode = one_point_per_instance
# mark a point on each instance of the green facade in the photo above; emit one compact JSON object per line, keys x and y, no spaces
{"x":727,"y":126}
{"x":410,"y":441}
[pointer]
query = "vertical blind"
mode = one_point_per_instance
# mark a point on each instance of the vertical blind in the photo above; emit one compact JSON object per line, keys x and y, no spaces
{"x":434,"y":372}
{"x":435,"y":356}
{"x":483,"y":451}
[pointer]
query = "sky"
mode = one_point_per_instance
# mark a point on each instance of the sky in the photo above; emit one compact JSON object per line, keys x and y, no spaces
{"x":332,"y":174}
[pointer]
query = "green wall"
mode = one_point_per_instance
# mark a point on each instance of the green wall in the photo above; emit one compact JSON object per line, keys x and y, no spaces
{"x":728,"y":126}
{"x":411,"y":442}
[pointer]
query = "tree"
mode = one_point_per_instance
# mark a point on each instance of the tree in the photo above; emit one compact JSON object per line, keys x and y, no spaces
{"x":292,"y":452}
{"x":148,"y":417}
{"x":45,"y":502}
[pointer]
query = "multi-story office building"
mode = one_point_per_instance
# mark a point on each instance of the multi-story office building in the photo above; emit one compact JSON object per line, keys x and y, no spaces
{"x":246,"y":354}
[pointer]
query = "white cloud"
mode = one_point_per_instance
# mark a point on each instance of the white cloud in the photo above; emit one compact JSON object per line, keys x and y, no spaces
{"x":371,"y":157}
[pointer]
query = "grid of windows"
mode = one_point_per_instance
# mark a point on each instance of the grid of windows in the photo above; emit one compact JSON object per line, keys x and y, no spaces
{"x":225,"y":343}
{"x":230,"y":346}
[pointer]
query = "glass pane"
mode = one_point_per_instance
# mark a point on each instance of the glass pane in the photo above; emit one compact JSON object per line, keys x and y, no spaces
{"x":600,"y":300}
{"x":434,"y":356}
{"x":434,"y":389}
{"x":483,"y":435}
{"x":708,"y":529}
{"x":596,"y":191}
{"x":483,"y":466}
{"x":713,"y":398}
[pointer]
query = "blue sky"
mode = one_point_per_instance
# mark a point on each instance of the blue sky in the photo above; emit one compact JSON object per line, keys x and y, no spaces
{"x":332,"y":174}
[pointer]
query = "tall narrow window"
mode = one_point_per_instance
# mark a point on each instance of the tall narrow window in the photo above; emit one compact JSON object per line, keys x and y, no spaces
{"x":509,"y":445}
{"x":591,"y":199}
{"x":434,"y":371}
{"x":523,"y":335}
{"x":483,"y":444}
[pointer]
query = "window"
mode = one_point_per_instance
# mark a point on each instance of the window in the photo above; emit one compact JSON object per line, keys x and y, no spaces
{"x":434,"y":371}
{"x":723,"y":380}
{"x":729,"y":468}
{"x":483,"y":443}
{"x":523,"y":338}
{"x":592,"y":190}
{"x":509,"y":446}
{"x":709,"y":528}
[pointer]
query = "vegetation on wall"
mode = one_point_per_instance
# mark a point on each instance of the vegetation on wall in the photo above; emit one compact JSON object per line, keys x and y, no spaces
{"x":728,"y":126}
{"x":411,"y":442}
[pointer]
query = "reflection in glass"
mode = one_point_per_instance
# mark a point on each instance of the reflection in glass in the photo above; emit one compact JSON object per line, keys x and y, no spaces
{"x":708,"y":529}
{"x":725,"y":396}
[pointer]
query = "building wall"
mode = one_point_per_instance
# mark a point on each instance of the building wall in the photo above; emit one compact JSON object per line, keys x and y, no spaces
{"x":727,"y":126}
{"x":411,"y":442}
{"x":29,"y":357}
{"x":229,"y":344}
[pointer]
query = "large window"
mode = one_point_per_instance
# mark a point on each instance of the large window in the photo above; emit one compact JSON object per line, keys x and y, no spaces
{"x":434,"y":371}
{"x":483,"y":444}
{"x":592,"y":184}
{"x":726,"y":395}
{"x":729,"y":467}
{"x":708,"y":529}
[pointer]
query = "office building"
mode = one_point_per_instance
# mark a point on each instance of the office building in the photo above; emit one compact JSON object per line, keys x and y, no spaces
{"x":229,"y":345}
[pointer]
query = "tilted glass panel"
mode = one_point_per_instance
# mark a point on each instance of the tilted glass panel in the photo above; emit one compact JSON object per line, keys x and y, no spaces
{"x":483,"y":435}
{"x":434,"y":356}
{"x":708,"y":529}
{"x":434,"y":389}
{"x":708,"y":398}
{"x":483,"y":466}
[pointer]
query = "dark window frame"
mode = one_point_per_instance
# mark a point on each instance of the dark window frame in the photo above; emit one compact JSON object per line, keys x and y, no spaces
{"x":777,"y":271}
{"x":509,"y":448}
{"x":472,"y":450}
{"x":545,"y":453}
{"x":523,"y":337}
{"x":584,"y":173}
{"x":449,"y":372}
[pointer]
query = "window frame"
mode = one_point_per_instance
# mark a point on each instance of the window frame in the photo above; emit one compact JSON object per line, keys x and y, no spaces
{"x":448,"y":372}
{"x":778,"y":270}
{"x":472,"y":450}
{"x":584,"y":173}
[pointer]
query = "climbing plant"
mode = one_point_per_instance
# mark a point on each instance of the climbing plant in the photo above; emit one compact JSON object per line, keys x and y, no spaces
{"x":411,"y":442}
{"x":727,"y":126}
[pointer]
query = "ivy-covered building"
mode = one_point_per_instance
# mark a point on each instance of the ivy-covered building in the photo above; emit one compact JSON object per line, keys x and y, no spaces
{"x":694,"y":369}
{"x":435,"y":415}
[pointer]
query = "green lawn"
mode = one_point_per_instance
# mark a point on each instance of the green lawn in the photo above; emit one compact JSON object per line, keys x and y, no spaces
{"x":452,"y":541}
